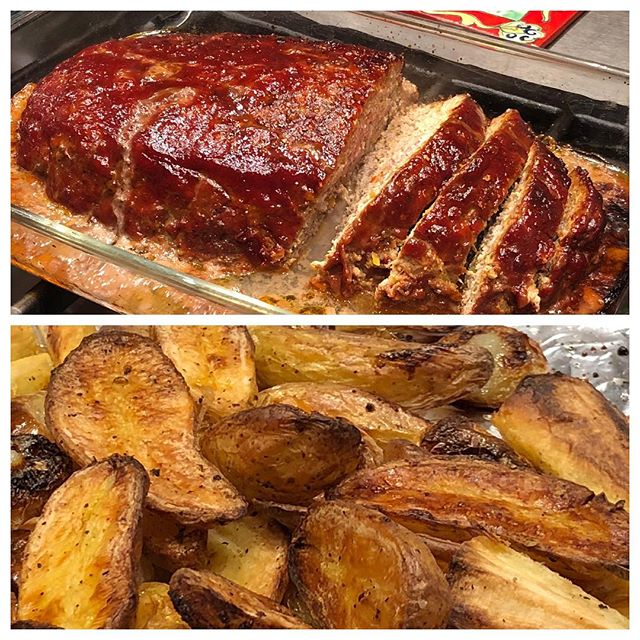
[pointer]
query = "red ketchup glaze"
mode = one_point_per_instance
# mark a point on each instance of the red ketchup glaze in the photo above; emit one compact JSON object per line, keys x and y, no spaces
{"x":468,"y":201}
{"x":221,"y":141}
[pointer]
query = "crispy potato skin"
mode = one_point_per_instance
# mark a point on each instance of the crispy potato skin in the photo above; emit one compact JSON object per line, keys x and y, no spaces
{"x":460,"y":436}
{"x":515,"y":356}
{"x":356,"y":569}
{"x":27,"y":415}
{"x":30,"y":374}
{"x":495,"y":587}
{"x":414,"y":376}
{"x":62,"y":340}
{"x":155,"y":609}
{"x":251,"y":552}
{"x":118,"y":393}
{"x":551,"y":519}
{"x":38,"y":467}
{"x":207,"y":601}
{"x":382,"y":420}
{"x":171,"y":545}
{"x":567,"y":428}
{"x":216,"y":362}
{"x":281,"y":454}
{"x":80,"y":563}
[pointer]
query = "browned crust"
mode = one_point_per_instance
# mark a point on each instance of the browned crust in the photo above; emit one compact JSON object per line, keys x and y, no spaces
{"x":426,"y":273}
{"x":384,"y":224}
{"x":549,"y":518}
{"x":207,"y":601}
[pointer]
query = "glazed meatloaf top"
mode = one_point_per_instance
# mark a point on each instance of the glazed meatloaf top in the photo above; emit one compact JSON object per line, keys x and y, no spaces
{"x":226,"y":143}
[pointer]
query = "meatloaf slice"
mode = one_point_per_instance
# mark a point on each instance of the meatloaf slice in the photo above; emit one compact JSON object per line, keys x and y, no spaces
{"x":428,"y":268}
{"x":579,"y":238}
{"x":418,"y":152}
{"x":502,"y":277}
{"x":226,"y":145}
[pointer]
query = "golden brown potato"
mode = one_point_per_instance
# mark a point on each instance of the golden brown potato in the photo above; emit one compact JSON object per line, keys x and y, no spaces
{"x":24,"y":343}
{"x":460,"y":436}
{"x":495,"y":587}
{"x":171,"y":545}
{"x":118,"y":393}
{"x":38,"y":467}
{"x":515,"y":356}
{"x":287,"y":515}
{"x":382,"y":420}
{"x":553,"y":520}
{"x":281,"y":454}
{"x":27,"y":415}
{"x":414,"y":376}
{"x":207,"y":601}
{"x":30,"y":374}
{"x":251,"y":552}
{"x":567,"y":428}
{"x":403,"y":450}
{"x":216,"y":362}
{"x":155,"y":609}
{"x":80,"y":563}
{"x":356,"y":569}
{"x":62,"y":340}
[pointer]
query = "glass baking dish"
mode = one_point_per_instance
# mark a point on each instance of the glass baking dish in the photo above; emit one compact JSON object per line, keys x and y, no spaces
{"x":569,"y":107}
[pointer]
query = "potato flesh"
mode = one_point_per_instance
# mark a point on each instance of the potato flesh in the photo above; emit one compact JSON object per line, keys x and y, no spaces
{"x":155,"y":609}
{"x":118,"y":393}
{"x":457,"y":499}
{"x":23,"y":343}
{"x":413,"y":376}
{"x":382,"y":420}
{"x":79,"y":570}
{"x":567,"y":428}
{"x":493,"y":586}
{"x":30,"y":374}
{"x":62,"y":340}
{"x":515,"y":356}
{"x":251,"y":552}
{"x":355,"y":569}
{"x":216,"y":362}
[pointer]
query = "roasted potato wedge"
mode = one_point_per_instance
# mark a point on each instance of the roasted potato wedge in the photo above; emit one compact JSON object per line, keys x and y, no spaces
{"x":515,"y":356}
{"x":281,"y":454}
{"x":356,"y":569}
{"x":30,"y":374}
{"x":27,"y":415}
{"x":567,"y":428}
{"x":171,"y":545}
{"x":207,"y":601}
{"x":118,"y":393}
{"x":414,"y":376}
{"x":80,"y":563}
{"x":216,"y":362}
{"x":382,"y":420}
{"x":495,"y":587}
{"x":403,"y":450}
{"x":460,"y":436}
{"x":287,"y":515}
{"x":38,"y":467}
{"x":251,"y":552}
{"x":24,"y":343}
{"x":155,"y":609}
{"x":62,"y":340}
{"x":553,"y":520}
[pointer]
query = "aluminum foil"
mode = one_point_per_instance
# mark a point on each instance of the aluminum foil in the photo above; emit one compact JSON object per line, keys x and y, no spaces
{"x":596,"y":354}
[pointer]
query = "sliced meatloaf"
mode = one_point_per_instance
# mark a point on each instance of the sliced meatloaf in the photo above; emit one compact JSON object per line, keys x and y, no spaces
{"x":426,"y":274}
{"x":414,"y":157}
{"x":226,"y":145}
{"x":503,"y":275}
{"x":579,"y":237}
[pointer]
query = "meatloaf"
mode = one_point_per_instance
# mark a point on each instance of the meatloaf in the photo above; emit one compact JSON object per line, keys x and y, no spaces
{"x":433,"y":259}
{"x":411,"y":161}
{"x":225,"y":145}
